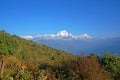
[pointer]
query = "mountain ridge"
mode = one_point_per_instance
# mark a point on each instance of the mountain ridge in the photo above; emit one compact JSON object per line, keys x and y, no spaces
{"x":63,"y":35}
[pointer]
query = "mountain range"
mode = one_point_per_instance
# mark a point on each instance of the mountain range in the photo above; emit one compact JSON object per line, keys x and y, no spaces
{"x":77,"y":44}
{"x":62,"y":35}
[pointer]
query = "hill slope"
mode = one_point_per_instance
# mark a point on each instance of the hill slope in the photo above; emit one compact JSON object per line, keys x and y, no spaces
{"x":26,"y":49}
{"x":18,"y":51}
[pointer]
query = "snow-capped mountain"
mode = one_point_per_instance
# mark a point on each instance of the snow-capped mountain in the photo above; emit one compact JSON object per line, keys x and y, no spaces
{"x":64,"y":35}
{"x":76,"y":44}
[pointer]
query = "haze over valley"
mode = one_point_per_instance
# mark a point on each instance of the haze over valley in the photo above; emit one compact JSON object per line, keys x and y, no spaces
{"x":77,"y":44}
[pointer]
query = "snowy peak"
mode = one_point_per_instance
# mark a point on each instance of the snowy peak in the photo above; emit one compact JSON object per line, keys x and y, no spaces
{"x":63,"y":35}
{"x":27,"y":37}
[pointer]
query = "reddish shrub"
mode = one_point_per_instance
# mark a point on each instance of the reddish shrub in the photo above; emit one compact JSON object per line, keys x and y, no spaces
{"x":86,"y":68}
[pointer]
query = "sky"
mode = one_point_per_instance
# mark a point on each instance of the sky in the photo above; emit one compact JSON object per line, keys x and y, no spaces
{"x":98,"y":18}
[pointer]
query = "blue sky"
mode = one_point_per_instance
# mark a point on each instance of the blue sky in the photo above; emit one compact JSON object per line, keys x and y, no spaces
{"x":99,"y":18}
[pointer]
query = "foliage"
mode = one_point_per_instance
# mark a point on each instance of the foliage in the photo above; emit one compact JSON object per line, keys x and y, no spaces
{"x":112,"y":64}
{"x":86,"y":68}
{"x":25,"y":76}
{"x":7,"y":44}
{"x":94,"y":55}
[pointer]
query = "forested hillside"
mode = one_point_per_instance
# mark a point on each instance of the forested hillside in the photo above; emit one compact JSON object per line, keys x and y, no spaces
{"x":16,"y":51}
{"x":22,"y":59}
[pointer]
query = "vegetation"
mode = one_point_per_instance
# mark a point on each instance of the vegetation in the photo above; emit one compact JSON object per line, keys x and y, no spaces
{"x":21,"y":59}
{"x":88,"y":68}
{"x":112,"y":64}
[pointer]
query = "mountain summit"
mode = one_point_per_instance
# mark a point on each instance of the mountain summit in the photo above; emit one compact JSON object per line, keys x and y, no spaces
{"x":64,"y":35}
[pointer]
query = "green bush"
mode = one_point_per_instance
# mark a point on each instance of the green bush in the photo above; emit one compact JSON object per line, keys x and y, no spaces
{"x":112,"y":64}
